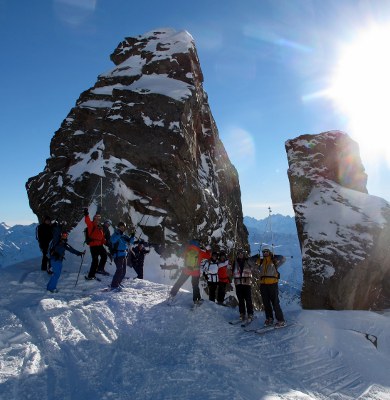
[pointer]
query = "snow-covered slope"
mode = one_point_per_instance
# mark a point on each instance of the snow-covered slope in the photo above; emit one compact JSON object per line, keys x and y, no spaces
{"x":82,"y":343}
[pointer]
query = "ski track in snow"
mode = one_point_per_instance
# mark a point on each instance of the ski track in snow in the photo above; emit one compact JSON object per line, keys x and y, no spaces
{"x":82,"y":343}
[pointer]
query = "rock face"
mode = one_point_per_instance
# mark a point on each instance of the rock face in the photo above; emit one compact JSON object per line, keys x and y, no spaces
{"x":344,"y":232}
{"x":146,"y":132}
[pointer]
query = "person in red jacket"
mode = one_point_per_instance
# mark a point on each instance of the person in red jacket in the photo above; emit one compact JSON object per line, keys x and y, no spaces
{"x":193,"y":257}
{"x":96,"y":244}
{"x":223,"y":277}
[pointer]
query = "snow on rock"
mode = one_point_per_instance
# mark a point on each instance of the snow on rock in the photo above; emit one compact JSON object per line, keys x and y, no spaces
{"x":82,"y":343}
{"x":344,"y":232}
{"x":143,"y":143}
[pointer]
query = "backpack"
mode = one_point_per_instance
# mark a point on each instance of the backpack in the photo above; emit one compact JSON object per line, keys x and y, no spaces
{"x":51,"y":249}
{"x":191,"y":259}
{"x":113,"y":248}
{"x":87,"y":238}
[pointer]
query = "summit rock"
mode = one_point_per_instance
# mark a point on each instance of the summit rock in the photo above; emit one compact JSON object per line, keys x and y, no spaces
{"x":144,"y":138}
{"x":344,"y":232}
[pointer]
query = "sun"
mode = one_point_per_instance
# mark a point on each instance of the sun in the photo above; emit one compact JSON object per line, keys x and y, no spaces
{"x":360,"y":89}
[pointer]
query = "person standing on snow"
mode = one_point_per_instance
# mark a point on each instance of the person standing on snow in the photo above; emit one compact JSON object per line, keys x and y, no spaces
{"x":119,"y":243}
{"x":96,"y":244}
{"x":193,"y":257}
{"x":44,"y":235}
{"x":223,"y":277}
{"x":138,"y":258}
{"x":269,"y":277}
{"x":107,"y":233}
{"x":57,"y":255}
{"x":210,"y":272}
{"x":242,"y":275}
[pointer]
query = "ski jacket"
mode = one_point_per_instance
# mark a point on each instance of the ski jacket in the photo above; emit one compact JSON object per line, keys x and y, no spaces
{"x":95,"y":232}
{"x":138,"y":256}
{"x":242,"y":272}
{"x":119,"y":243}
{"x":107,"y":235}
{"x":44,"y":234}
{"x":268,"y":271}
{"x":223,"y":271}
{"x":194,"y":270}
{"x":57,"y":251}
{"x":210,"y":268}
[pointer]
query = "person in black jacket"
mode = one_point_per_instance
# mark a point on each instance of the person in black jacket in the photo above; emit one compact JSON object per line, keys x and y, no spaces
{"x":44,"y":234}
{"x":138,"y":257}
{"x":107,"y":235}
{"x":57,"y":255}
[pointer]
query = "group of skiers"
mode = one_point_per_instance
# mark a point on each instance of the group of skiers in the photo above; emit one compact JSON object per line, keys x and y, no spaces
{"x":125,"y":250}
{"x":218,"y":272}
{"x":122,"y":249}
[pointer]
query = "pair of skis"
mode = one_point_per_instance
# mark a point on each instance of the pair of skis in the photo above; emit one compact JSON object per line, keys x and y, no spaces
{"x":266,"y":329}
{"x":244,"y":323}
{"x":247,"y":328}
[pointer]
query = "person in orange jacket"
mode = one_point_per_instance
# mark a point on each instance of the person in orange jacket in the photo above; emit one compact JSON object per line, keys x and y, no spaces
{"x":193,"y":257}
{"x":96,"y":242}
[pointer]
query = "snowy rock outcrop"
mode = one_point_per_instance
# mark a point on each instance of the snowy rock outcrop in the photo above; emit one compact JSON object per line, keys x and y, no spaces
{"x":146,"y":132}
{"x":344,"y":232}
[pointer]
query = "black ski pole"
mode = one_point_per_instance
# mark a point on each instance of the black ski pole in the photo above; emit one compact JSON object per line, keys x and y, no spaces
{"x":82,"y":260}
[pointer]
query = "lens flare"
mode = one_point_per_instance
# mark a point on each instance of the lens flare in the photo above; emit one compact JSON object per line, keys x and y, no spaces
{"x":361,"y":91}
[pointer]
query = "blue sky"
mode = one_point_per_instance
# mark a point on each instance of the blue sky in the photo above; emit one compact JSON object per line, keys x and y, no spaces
{"x":267,"y":65}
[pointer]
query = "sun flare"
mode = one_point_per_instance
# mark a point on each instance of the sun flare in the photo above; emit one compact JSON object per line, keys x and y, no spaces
{"x":361,"y":90}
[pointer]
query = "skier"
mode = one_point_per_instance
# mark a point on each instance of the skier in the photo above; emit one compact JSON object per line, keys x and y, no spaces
{"x":107,"y":233}
{"x":96,"y":241}
{"x":269,"y":276}
{"x":242,"y":275}
{"x":193,"y":257}
{"x":119,"y":242}
{"x":138,"y":253}
{"x":57,"y":253}
{"x":210,"y":272}
{"x":44,"y":235}
{"x":223,"y":277}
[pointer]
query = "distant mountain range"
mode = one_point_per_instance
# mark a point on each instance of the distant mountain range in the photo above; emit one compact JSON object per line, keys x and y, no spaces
{"x":17,"y":243}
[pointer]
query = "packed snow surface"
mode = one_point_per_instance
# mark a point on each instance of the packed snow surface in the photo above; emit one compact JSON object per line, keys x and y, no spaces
{"x":82,"y":343}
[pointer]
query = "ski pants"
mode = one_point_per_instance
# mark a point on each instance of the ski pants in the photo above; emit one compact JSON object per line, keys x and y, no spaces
{"x":45,"y":265}
{"x":96,"y":265}
{"x":270,"y":296}
{"x":180,"y":282}
{"x":221,"y":292}
{"x":244,"y":295}
{"x":139,"y":269}
{"x":56,"y":266}
{"x":212,"y":290}
{"x":120,"y":263}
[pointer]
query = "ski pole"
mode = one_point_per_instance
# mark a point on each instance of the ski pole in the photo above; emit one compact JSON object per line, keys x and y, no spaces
{"x":82,"y":260}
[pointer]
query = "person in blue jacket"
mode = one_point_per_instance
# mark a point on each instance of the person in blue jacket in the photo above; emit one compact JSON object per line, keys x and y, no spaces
{"x":119,"y":245}
{"x":57,"y":254}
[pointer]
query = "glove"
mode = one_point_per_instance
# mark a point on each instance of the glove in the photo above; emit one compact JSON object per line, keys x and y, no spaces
{"x":86,"y":211}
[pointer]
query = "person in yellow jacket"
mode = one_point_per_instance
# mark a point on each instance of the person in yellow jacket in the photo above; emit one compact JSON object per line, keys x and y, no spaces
{"x":269,"y":277}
